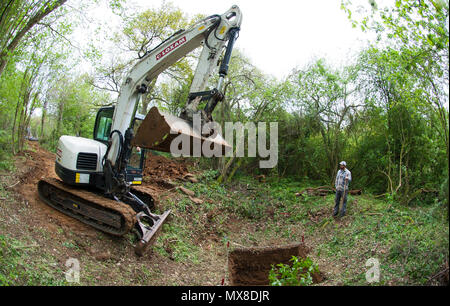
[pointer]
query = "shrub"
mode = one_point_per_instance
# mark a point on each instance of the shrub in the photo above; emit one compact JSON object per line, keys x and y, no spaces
{"x":299,"y":274}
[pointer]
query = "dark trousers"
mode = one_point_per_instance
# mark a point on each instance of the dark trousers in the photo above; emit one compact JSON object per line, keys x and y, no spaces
{"x":337,"y":200}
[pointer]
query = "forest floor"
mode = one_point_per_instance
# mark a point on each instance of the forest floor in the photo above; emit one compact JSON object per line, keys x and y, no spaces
{"x":410,"y":243}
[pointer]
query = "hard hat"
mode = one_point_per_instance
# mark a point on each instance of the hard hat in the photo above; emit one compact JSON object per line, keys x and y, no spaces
{"x":343,"y":163}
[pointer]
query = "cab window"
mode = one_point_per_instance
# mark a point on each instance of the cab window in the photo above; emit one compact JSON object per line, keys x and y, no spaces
{"x":103,"y":124}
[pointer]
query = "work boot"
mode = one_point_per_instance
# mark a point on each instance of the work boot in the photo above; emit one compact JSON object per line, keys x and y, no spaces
{"x":335,"y":213}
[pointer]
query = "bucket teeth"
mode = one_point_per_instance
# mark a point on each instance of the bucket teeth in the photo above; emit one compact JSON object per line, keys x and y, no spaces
{"x":159,"y":129}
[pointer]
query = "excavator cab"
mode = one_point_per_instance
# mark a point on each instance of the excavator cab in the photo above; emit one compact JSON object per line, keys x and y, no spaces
{"x":102,"y":130}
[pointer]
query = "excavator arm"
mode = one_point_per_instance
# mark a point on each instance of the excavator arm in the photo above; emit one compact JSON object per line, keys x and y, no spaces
{"x":213,"y":33}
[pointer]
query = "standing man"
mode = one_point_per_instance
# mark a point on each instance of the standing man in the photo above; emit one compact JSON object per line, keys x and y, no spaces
{"x":343,"y":179}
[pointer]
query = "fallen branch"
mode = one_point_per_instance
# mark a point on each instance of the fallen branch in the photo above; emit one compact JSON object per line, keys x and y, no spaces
{"x":355,"y":192}
{"x":196,"y":200}
{"x":13,"y":185}
{"x":190,"y":177}
{"x":187,"y":191}
{"x":25,"y":246}
{"x":323,"y":191}
{"x":443,"y":273}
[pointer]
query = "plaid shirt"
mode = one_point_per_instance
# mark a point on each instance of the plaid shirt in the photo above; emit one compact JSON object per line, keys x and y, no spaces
{"x":340,"y":179}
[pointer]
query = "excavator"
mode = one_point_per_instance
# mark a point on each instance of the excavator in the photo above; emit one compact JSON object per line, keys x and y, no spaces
{"x":99,"y":179}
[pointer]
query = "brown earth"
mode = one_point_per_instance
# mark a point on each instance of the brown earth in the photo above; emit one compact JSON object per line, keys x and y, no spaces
{"x":158,"y":167}
{"x":51,"y":233}
{"x":39,"y":163}
{"x":250,"y":266}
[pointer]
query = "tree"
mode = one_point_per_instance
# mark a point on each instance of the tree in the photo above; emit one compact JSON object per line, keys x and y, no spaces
{"x":410,"y":154}
{"x":249,"y":97}
{"x":419,"y":30}
{"x":17,"y":18}
{"x":325,"y":96}
{"x":411,"y":78}
{"x":139,"y":33}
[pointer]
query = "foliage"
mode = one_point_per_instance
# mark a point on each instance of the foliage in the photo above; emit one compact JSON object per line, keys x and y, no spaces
{"x":14,"y":270}
{"x":405,"y":84}
{"x":299,"y":274}
{"x":73,"y":104}
{"x":17,"y":19}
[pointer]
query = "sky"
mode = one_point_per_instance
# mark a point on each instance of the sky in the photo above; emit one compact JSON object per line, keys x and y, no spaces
{"x":280,"y":35}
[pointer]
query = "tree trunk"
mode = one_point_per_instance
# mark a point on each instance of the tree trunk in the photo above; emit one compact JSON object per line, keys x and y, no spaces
{"x":44,"y":114}
{"x":60,"y":119}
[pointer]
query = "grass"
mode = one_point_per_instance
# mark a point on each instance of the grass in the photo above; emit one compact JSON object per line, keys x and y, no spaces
{"x":17,"y":269}
{"x":410,"y":242}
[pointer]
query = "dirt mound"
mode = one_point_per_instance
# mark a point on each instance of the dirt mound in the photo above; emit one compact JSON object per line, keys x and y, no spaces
{"x":35,"y":165}
{"x":159,"y":168}
{"x":251,"y":266}
{"x":39,"y":163}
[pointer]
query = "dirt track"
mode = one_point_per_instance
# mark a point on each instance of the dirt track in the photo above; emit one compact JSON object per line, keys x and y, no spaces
{"x":30,"y":170}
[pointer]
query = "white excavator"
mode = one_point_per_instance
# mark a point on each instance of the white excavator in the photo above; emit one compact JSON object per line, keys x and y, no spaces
{"x":99,"y":179}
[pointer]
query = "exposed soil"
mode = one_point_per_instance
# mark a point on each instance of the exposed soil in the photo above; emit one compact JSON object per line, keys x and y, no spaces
{"x":250,"y":266}
{"x":41,"y":163}
{"x":60,"y":236}
{"x":158,"y":167}
{"x":38,"y":163}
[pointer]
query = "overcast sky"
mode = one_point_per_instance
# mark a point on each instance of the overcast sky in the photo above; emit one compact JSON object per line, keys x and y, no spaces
{"x":280,"y":35}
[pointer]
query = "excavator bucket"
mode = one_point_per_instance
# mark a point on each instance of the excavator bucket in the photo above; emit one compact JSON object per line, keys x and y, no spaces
{"x":159,"y":129}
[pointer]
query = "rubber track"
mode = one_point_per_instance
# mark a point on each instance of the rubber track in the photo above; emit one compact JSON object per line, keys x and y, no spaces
{"x":126,"y":212}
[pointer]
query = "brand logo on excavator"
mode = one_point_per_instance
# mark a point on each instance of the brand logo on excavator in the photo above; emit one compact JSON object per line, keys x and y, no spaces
{"x":170,"y":48}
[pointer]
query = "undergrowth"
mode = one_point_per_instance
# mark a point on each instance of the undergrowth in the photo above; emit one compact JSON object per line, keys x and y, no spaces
{"x":15,"y":269}
{"x":410,"y":242}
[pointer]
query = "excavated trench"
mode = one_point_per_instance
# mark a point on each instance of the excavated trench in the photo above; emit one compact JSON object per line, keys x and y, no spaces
{"x":251,"y":266}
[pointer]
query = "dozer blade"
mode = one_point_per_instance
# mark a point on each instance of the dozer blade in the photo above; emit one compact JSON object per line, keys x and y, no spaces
{"x":159,"y":129}
{"x":148,"y":227}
